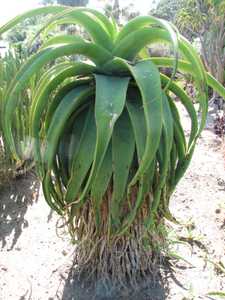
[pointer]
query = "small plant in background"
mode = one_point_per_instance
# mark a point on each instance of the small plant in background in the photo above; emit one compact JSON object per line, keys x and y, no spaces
{"x":9,"y":66}
{"x":217,"y":294}
{"x":109,"y":145}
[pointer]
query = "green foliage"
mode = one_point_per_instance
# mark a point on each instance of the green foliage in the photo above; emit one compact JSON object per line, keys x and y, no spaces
{"x":109,"y":122}
{"x":10,"y":64}
{"x":167,"y":9}
{"x":201,"y":21}
{"x":196,"y":15}
{"x":9,"y":166}
{"x":219,"y":294}
{"x":205,"y":20}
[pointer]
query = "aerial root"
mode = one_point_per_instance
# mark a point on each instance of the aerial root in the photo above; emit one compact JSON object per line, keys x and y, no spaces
{"x":117,"y":261}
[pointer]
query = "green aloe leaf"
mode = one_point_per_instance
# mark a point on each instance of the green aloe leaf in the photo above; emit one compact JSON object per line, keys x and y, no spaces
{"x":97,"y":21}
{"x":83,"y":157}
{"x":123,"y":146}
{"x":147,"y":79}
{"x":186,"y":67}
{"x":32,"y":13}
{"x":65,"y":87}
{"x":62,"y":39}
{"x":101,"y":183}
{"x":70,"y":103}
{"x":136,"y":113}
{"x":188,"y":105}
{"x":46,"y":86}
{"x":90,"y":23}
{"x":109,"y":104}
{"x":165,"y":146}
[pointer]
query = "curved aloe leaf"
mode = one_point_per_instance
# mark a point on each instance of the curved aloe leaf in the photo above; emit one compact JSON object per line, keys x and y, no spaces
{"x":109,"y":104}
{"x":83,"y":158}
{"x":123,"y":146}
{"x":101,"y":183}
{"x":31,"y":13}
{"x":65,"y":109}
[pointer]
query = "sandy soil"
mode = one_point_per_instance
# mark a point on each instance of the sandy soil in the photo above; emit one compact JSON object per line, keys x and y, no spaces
{"x":35,"y":263}
{"x":199,"y":203}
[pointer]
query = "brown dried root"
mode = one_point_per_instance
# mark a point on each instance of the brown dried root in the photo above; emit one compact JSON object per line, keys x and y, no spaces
{"x":10,"y":170}
{"x":118,"y":262}
{"x":6,"y":172}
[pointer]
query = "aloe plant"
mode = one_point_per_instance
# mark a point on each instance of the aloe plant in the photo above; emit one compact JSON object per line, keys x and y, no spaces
{"x":9,"y":66}
{"x":109,"y":145}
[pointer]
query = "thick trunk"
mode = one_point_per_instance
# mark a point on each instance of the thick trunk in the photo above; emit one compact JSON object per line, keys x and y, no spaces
{"x":219,"y":52}
{"x":213,"y":55}
{"x":220,"y":65}
{"x":212,"y":49}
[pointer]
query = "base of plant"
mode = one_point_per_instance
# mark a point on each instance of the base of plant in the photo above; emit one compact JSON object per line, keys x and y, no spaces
{"x":118,"y":262}
{"x":10,"y":170}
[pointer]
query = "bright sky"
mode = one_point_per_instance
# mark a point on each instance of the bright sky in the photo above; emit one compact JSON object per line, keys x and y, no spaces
{"x":11,"y":8}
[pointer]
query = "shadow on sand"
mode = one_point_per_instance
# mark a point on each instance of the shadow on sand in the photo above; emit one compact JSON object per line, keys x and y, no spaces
{"x":75,"y":289}
{"x":14,"y":201}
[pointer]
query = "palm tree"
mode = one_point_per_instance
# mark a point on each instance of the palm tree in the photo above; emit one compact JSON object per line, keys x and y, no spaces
{"x":109,"y":145}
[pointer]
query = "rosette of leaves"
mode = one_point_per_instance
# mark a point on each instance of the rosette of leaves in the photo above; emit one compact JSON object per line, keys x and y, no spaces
{"x":109,"y":144}
{"x":10,"y":63}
